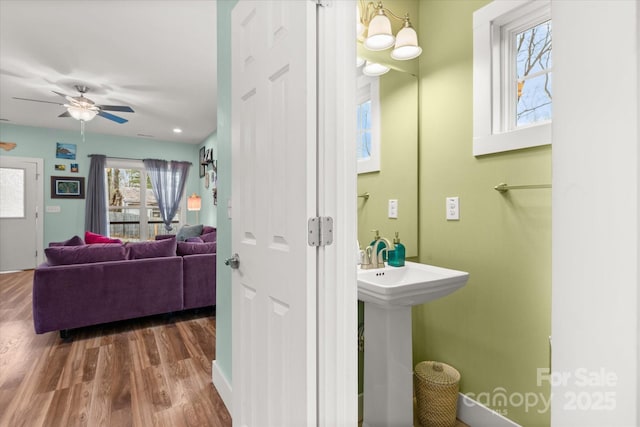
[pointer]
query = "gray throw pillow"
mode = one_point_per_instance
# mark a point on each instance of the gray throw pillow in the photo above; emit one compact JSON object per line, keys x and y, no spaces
{"x":189,"y":231}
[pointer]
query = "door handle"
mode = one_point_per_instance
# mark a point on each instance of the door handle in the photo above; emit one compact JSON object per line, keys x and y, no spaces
{"x":233,"y":262}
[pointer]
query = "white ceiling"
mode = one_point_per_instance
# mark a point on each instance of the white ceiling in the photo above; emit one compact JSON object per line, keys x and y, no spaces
{"x":156,"y":56}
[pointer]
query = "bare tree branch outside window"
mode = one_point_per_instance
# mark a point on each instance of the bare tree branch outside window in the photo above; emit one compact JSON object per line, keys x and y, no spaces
{"x":533,"y":74}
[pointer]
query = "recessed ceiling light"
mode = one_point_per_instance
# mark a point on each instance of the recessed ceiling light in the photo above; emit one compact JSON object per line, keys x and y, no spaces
{"x":177,"y":130}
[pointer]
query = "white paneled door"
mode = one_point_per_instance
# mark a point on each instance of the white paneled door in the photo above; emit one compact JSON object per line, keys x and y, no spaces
{"x":18,"y":214}
{"x":274,"y":194}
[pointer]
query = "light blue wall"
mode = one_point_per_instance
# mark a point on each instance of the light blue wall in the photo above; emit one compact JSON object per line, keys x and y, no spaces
{"x":208,"y":214}
{"x":41,"y":143}
{"x":223,"y":289}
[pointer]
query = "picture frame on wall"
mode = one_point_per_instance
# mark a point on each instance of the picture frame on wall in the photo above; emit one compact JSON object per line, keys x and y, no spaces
{"x":202,"y":162}
{"x":65,"y":151}
{"x":65,"y":187}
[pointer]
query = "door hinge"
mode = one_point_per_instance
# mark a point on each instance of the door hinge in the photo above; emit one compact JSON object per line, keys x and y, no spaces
{"x":323,"y":3}
{"x":320,"y":231}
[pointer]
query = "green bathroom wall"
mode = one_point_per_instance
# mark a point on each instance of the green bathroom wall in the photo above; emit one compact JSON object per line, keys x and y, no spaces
{"x":223,"y":276}
{"x":41,"y":143}
{"x":494,"y":330}
{"x":208,"y":214}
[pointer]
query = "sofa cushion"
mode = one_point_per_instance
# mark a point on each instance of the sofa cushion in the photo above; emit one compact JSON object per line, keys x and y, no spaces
{"x":192,"y":248}
{"x":187,"y":231}
{"x":74,"y":241}
{"x":194,"y":240}
{"x":210,"y":236}
{"x":151,"y":249}
{"x":85,"y":254}
{"x":92,"y":238}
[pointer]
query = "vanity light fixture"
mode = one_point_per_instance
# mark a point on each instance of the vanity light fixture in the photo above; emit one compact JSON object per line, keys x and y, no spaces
{"x":374,"y":22}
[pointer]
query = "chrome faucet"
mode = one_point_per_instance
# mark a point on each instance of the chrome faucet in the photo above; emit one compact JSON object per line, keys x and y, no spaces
{"x":366,"y":259}
{"x":377,"y":260}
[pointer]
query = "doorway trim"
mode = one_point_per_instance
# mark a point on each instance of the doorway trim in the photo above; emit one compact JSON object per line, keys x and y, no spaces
{"x":337,"y":321}
{"x":39,"y":200}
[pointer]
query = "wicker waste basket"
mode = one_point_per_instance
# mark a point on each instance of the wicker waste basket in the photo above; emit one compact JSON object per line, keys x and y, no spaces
{"x":436,"y":387}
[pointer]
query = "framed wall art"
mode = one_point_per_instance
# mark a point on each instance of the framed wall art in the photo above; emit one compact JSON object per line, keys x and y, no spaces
{"x":65,"y":187}
{"x":202,"y":162}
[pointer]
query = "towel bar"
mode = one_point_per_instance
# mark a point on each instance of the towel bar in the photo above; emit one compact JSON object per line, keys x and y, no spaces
{"x":503,"y":188}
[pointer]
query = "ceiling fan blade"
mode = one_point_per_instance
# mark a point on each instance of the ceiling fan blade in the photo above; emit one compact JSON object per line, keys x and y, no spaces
{"x":67,"y":97}
{"x":65,"y":114}
{"x":112,"y":117}
{"x":36,"y":100}
{"x":123,"y":108}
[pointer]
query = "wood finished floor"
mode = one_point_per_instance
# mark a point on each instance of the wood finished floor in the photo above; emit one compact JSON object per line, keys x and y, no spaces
{"x":154,"y":371}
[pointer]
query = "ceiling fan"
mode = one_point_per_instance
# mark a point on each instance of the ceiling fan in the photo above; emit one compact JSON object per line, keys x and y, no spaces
{"x":83,"y":109}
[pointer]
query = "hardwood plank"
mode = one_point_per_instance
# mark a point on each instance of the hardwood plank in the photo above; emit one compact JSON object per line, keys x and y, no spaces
{"x":90,"y":363}
{"x":120,"y":385}
{"x":79,"y":404}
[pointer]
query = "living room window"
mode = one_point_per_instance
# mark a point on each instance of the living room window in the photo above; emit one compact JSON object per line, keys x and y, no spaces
{"x":512,"y":76}
{"x":133,"y":211}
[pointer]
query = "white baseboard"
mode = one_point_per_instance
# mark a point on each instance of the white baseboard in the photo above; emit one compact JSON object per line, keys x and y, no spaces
{"x":477,"y":415}
{"x":221,"y":384}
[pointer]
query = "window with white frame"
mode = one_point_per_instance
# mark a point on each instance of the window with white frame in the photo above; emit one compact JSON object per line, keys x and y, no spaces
{"x":133,"y":212}
{"x":368,"y":124}
{"x":512,"y":76}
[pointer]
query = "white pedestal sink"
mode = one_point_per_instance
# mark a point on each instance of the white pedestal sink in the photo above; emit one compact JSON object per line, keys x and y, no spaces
{"x":388,"y":294}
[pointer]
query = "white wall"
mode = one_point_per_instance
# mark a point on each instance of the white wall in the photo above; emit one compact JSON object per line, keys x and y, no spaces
{"x":596,"y":193}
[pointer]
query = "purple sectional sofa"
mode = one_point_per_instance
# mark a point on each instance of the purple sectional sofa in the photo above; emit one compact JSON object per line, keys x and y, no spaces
{"x":86,"y":285}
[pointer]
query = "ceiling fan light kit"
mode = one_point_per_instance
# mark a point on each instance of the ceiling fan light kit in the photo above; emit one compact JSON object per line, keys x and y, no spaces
{"x":84,"y":109}
{"x":81,"y":113}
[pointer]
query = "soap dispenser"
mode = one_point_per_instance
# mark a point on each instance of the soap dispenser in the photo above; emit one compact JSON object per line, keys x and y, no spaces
{"x":396,"y":256}
{"x":382,"y":245}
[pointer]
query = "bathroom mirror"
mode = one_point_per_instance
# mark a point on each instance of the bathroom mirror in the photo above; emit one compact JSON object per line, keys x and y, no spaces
{"x":397,"y":178}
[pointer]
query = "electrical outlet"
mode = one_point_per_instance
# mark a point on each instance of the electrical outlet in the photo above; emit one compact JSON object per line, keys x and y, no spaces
{"x":453,"y":208}
{"x":393,"y":208}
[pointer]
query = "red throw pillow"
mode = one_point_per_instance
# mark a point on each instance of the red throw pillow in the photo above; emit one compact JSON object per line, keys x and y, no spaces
{"x":91,"y":238}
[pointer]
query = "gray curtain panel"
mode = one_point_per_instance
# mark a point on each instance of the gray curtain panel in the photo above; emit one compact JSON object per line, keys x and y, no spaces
{"x":168,"y":179}
{"x":95,"y":215}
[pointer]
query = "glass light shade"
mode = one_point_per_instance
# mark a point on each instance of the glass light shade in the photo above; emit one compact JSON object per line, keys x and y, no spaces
{"x":406,"y":45}
{"x":379,"y":36}
{"x":374,"y":69}
{"x":83,"y":114}
{"x":194,"y":202}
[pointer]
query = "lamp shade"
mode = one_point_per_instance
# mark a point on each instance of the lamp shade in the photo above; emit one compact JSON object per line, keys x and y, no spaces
{"x":79,"y":113}
{"x":406,"y":45}
{"x":379,"y":36}
{"x":374,"y":69}
{"x":194,"y":202}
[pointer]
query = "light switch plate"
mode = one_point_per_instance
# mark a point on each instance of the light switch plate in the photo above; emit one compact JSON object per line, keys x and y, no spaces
{"x":52,"y":209}
{"x":393,"y":208}
{"x":453,"y":208}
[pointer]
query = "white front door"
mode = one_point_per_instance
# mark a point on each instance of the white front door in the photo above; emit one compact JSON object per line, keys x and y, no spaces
{"x":274,"y":193}
{"x":18,"y":214}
